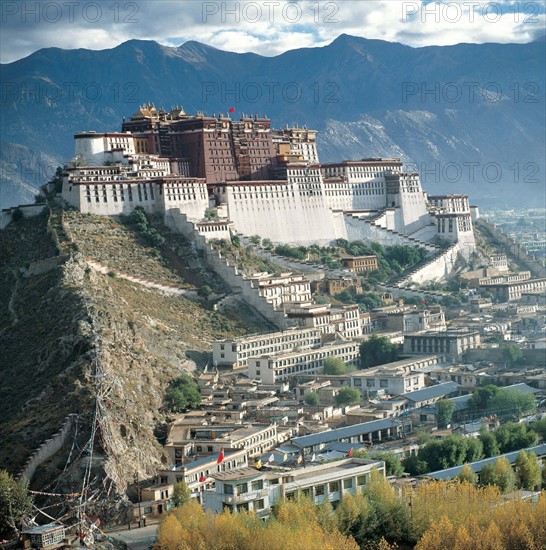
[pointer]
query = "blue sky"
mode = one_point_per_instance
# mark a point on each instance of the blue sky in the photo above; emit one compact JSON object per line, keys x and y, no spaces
{"x":267,"y":27}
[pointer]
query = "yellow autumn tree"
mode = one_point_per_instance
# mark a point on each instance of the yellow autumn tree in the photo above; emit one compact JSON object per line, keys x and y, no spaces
{"x":513,"y":525}
{"x":297,"y":526}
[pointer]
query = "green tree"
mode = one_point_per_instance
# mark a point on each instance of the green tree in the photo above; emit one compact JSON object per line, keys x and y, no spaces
{"x":512,"y":354}
{"x":255,"y":240}
{"x":334,"y":365}
{"x":513,"y":436}
{"x":385,"y":514}
{"x":181,"y":494}
{"x":450,"y":451}
{"x":393,"y":465}
{"x":205,"y":291}
{"x":377,"y":350}
{"x":235,"y":240}
{"x":15,"y":502}
{"x":528,"y":470}
{"x":347,"y":396}
{"x":211,"y":214}
{"x":512,"y":403}
{"x":482,"y":396}
{"x":444,"y":412}
{"x":539,"y":426}
{"x":266,"y":243}
{"x":182,"y":394}
{"x":500,"y":474}
{"x":312,"y":399}
{"x":489,"y":443}
{"x":415,"y":466}
{"x":17,"y":215}
{"x":468,"y":475}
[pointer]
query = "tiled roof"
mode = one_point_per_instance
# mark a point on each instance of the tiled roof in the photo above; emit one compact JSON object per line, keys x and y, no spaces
{"x":344,"y":433}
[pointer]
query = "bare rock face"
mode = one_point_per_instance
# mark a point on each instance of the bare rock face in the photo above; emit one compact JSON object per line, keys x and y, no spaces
{"x":96,"y":345}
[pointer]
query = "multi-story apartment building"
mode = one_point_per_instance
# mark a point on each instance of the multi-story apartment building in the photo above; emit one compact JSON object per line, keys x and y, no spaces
{"x":282,"y":289}
{"x":194,"y":470}
{"x":258,"y":490}
{"x":409,"y":319}
{"x":328,"y":319}
{"x":389,"y":381}
{"x":272,"y":368}
{"x":255,"y":439}
{"x":506,"y":292}
{"x":358,"y":264}
{"x":451,"y":344}
{"x":236,"y":352}
{"x":498,"y":261}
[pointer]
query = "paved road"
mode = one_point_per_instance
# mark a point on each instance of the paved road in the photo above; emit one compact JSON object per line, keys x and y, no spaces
{"x":136,"y":539}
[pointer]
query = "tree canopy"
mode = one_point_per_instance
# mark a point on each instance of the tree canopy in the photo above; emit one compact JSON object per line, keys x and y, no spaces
{"x":500,"y":474}
{"x":377,"y":350}
{"x":182,"y":394}
{"x":334,"y":365}
{"x":312,"y":399}
{"x":181,"y":493}
{"x":444,"y":412}
{"x":347,"y":396}
{"x":438,"y":454}
{"x":528,"y":470}
{"x":15,"y":502}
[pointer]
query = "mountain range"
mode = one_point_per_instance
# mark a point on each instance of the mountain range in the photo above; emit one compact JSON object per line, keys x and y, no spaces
{"x":470,"y":117}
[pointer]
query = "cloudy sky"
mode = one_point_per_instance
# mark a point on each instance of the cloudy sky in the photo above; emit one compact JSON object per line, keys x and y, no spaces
{"x":267,"y":27}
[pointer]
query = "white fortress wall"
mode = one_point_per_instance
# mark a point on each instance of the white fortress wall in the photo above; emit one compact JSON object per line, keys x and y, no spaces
{"x":441,"y":266}
{"x":278,"y":211}
{"x":112,"y":198}
{"x":362,"y":230}
{"x":426,"y":233}
{"x":179,"y":222}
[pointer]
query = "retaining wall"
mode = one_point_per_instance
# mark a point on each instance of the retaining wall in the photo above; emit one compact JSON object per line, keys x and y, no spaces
{"x":178,"y":221}
{"x":47,"y":449}
{"x":29,"y":211}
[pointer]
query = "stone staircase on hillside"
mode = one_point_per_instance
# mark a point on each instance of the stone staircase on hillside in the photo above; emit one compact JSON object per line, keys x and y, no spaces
{"x":391,"y":236}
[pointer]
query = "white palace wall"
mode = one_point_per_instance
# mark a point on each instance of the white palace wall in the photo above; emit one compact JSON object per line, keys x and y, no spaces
{"x":111,"y":198}
{"x":281,"y":213}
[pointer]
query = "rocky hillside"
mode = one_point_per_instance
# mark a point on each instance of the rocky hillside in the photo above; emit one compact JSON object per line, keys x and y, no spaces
{"x":98,"y":324}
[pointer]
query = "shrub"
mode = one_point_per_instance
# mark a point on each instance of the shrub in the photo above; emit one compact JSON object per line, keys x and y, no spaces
{"x":182,"y":394}
{"x":17,"y":215}
{"x":347,"y":396}
{"x":312,"y":399}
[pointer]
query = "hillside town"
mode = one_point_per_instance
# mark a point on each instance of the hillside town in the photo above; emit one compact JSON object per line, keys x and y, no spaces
{"x":396,"y":320}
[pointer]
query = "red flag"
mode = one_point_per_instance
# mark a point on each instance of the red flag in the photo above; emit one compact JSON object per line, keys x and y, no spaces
{"x":350,"y":453}
{"x":423,"y":301}
{"x":220,"y":457}
{"x":232,"y":109}
{"x":202,"y":479}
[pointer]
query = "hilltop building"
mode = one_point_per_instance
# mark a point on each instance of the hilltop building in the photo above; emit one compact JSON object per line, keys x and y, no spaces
{"x":261,"y":181}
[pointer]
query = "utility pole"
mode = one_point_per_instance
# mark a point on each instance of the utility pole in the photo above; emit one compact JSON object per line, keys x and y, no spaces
{"x":137,"y":479}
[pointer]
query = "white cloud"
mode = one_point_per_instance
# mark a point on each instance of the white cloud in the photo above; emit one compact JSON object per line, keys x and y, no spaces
{"x":267,"y":28}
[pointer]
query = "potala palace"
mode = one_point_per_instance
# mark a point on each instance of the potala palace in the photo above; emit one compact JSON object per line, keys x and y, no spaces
{"x":261,"y":181}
